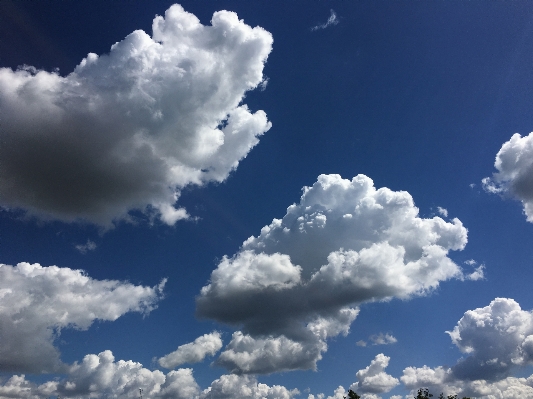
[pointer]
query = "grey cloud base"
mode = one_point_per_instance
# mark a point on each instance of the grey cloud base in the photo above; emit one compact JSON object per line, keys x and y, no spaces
{"x":129,"y":129}
{"x":295,"y":284}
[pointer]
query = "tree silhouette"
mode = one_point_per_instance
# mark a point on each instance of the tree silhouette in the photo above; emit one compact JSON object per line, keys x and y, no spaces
{"x":352,"y":395}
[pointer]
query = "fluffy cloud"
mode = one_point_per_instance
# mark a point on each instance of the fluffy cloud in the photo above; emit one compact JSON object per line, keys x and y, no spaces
{"x":373,"y":378}
{"x":37,"y":302}
{"x":345,"y":243}
{"x":193,"y":352}
{"x":441,"y":379}
{"x":101,"y":376}
{"x":129,"y":129}
{"x":514,"y":163}
{"x":497,"y":338}
{"x":245,"y":387}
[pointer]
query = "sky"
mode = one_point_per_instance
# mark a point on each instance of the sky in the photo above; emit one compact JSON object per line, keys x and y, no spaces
{"x":251,"y":199}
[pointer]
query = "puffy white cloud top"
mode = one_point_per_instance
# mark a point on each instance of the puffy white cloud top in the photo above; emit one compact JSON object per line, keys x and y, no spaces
{"x":514,"y":163}
{"x":294,"y":285}
{"x":374,"y":379}
{"x":193,"y":352}
{"x":37,"y":302}
{"x":101,"y":376}
{"x":497,"y":338}
{"x":129,"y":129}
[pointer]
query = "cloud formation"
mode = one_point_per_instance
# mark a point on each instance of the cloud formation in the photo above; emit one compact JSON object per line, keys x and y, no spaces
{"x":101,"y":376}
{"x":193,"y":352}
{"x":37,"y":302}
{"x":498,"y":339}
{"x":514,"y":163}
{"x":374,"y":379}
{"x":332,"y":20}
{"x":295,"y":284}
{"x":129,"y":129}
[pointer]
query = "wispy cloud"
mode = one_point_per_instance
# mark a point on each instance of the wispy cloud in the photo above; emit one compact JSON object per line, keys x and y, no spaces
{"x":88,"y":246}
{"x":332,"y":20}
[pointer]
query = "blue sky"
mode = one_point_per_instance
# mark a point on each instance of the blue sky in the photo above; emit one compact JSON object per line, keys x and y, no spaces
{"x":279,"y":200}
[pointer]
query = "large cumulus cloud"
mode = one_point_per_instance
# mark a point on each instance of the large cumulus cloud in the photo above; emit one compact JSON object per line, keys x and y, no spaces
{"x":296,"y":284}
{"x":514,"y":163}
{"x":37,"y":302}
{"x":129,"y":129}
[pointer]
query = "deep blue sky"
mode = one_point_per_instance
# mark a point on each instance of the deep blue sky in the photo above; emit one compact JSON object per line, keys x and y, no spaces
{"x":418,"y":96}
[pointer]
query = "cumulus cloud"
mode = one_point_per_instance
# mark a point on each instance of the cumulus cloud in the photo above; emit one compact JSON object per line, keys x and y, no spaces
{"x":374,"y":379}
{"x":497,"y":339}
{"x":441,"y":379}
{"x":245,"y":387}
{"x":129,"y":129}
{"x":37,"y":302}
{"x":345,"y":243}
{"x":100,"y":375}
{"x":514,"y":163}
{"x":193,"y":352}
{"x":332,"y":20}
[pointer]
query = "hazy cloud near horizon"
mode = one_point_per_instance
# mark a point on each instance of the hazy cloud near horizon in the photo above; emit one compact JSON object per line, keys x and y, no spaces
{"x":129,"y":129}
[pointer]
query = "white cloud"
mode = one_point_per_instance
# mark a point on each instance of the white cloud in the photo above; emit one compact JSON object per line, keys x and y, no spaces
{"x":442,"y":211}
{"x":441,"y":379}
{"x":361,"y":343}
{"x":514,"y":163}
{"x":88,"y":246}
{"x":101,"y":376}
{"x":193,"y":352}
{"x":129,"y":129}
{"x":315,"y":263}
{"x":332,"y":20}
{"x":383,"y":339}
{"x":498,"y":338}
{"x":245,"y":387}
{"x":37,"y":302}
{"x":373,"y":378}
